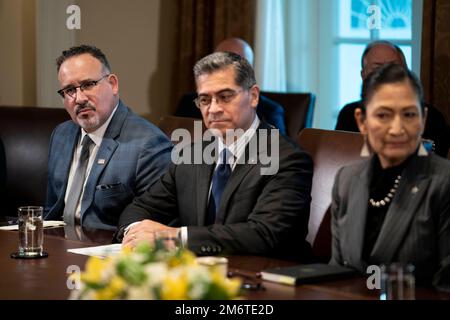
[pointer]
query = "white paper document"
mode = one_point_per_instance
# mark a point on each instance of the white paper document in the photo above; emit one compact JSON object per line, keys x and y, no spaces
{"x":99,"y":251}
{"x":47,"y":224}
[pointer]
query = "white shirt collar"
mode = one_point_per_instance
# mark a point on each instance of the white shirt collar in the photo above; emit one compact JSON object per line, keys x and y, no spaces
{"x":97,"y":135}
{"x":237,"y":148}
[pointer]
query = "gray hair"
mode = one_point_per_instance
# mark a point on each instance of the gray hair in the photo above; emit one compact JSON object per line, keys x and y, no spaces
{"x":245,"y":76}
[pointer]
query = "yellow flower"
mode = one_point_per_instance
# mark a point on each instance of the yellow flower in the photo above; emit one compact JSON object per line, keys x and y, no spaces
{"x":112,"y":291}
{"x":150,"y":273}
{"x":185,"y":257}
{"x":232,"y":286}
{"x":216,"y":276}
{"x":174,"y":288}
{"x":126,"y":251}
{"x":95,"y":268}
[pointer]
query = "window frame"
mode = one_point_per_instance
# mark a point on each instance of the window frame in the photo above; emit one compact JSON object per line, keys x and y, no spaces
{"x":327,"y":108}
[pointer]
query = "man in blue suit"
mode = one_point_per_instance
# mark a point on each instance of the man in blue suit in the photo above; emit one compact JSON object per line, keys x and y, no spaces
{"x":106,"y":155}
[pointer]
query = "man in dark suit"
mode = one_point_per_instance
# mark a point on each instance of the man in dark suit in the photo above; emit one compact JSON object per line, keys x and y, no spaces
{"x":106,"y":155}
{"x":229,"y":204}
{"x":379,"y":53}
{"x":267,"y":109}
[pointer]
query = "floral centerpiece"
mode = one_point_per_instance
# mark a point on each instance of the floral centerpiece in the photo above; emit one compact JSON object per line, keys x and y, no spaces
{"x":151,"y":272}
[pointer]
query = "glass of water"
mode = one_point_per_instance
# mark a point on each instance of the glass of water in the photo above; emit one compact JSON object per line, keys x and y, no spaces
{"x":167,"y":240}
{"x":31,"y":232}
{"x":397,"y":282}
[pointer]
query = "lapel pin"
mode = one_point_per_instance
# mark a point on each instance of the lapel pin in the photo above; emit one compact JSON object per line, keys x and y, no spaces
{"x":415,"y":190}
{"x":101,"y":161}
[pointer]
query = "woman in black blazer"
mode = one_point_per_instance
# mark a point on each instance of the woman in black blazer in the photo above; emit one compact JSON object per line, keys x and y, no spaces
{"x":394,"y":207}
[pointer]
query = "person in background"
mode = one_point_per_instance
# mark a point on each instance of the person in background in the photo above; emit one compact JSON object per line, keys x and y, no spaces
{"x":377,"y":54}
{"x":267,"y":109}
{"x":394,"y":207}
{"x":106,"y":155}
{"x":229,"y":206}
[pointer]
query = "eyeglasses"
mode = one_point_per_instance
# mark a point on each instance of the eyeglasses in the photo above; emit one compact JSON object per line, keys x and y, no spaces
{"x":71,"y":91}
{"x":224,"y":97}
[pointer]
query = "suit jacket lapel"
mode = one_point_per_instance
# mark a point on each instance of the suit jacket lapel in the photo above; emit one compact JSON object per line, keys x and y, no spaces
{"x":353,"y":236}
{"x":244,"y":164}
{"x":412,"y":189}
{"x":67,"y":152}
{"x":203,"y":176}
{"x":105,"y":151}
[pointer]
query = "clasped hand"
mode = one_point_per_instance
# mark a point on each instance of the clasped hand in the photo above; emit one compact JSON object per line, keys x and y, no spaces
{"x":145,"y":231}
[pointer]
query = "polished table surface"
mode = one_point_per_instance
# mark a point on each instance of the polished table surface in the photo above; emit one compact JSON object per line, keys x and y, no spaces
{"x":47,"y":278}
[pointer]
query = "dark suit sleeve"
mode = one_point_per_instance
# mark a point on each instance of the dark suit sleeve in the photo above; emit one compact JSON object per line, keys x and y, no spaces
{"x":277,"y":222}
{"x":157,"y":203}
{"x":441,"y":279}
{"x":51,"y":196}
{"x":153,"y":162}
{"x":336,"y":258}
{"x":269,"y":215}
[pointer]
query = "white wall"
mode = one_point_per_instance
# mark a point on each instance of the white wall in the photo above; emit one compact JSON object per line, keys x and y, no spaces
{"x":137,"y":37}
{"x":17,"y":53}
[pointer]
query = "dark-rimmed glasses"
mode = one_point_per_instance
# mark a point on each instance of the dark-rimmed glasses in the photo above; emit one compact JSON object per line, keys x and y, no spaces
{"x":71,"y":91}
{"x":223,"y":97}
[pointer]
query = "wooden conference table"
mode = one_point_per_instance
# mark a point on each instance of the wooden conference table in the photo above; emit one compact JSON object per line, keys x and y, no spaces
{"x":46,"y":278}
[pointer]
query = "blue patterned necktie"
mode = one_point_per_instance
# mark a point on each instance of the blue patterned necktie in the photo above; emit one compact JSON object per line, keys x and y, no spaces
{"x":219,"y":181}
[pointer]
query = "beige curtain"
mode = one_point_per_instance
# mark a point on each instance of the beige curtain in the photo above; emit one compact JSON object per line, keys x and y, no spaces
{"x":202,"y":24}
{"x":435,"y":67}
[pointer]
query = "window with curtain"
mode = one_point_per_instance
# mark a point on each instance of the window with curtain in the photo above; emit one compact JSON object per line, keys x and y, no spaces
{"x":363,"y":21}
{"x":316,"y":46}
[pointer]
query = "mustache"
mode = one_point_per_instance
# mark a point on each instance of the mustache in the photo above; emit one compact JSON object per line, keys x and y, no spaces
{"x":216,"y":118}
{"x":82,"y":107}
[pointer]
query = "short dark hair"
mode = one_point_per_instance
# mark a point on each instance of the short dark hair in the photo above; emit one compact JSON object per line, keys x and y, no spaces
{"x":82,"y":49}
{"x":245,"y":76}
{"x":390,"y":73}
{"x":376,"y":43}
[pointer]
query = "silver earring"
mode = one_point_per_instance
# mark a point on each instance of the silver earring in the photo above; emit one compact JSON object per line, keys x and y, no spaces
{"x":422,"y":151}
{"x":365,"y":149}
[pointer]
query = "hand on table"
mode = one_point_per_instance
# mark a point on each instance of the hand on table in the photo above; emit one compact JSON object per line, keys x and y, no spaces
{"x":145,"y":231}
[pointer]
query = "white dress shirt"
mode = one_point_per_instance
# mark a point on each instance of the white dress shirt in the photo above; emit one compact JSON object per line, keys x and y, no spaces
{"x":97,"y":137}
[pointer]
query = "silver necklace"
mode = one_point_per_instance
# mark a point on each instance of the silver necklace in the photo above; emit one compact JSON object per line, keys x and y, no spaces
{"x":388,"y":197}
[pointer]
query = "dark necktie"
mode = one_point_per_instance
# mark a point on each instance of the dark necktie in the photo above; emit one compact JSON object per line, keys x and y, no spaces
{"x":77,"y":182}
{"x":219,"y":180}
